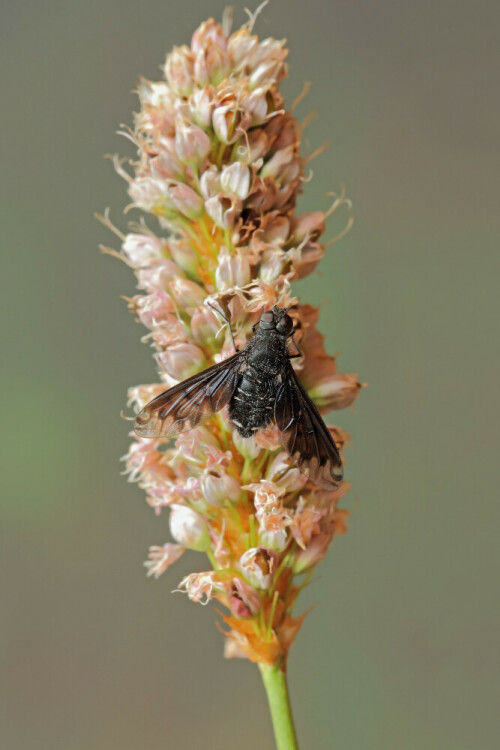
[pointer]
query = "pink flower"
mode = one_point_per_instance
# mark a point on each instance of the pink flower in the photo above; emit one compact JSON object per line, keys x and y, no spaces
{"x":219,"y":487}
{"x":258,"y":565}
{"x":161,"y":558}
{"x":181,"y":360}
{"x":142,"y":249}
{"x":305,"y":523}
{"x":200,"y":586}
{"x":219,"y":169}
{"x":188,"y":527}
{"x":153,"y":308}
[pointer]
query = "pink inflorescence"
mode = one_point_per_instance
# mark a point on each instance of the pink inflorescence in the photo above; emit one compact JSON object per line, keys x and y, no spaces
{"x":219,"y":165}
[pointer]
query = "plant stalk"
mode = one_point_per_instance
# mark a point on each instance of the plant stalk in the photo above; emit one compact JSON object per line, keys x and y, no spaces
{"x":274,"y":678}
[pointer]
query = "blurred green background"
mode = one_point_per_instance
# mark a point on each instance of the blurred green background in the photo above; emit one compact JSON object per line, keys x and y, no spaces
{"x":401,"y":650}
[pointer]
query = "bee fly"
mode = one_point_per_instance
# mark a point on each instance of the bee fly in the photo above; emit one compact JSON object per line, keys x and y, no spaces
{"x":259,"y":386}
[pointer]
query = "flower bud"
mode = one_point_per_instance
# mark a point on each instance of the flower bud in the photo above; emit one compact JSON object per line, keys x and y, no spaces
{"x":265,"y":73}
{"x":171,"y":331}
{"x":192,"y":144}
{"x":258,"y":565}
{"x":284,"y":474}
{"x":186,"y":200}
{"x":210,"y":183}
{"x":272,"y":264}
{"x":151,"y":195}
{"x":336,"y":392}
{"x":211,"y":65}
{"x":153,"y":308}
{"x":181,"y":360}
{"x":142,"y":249}
{"x":225,"y":121}
{"x":179,"y":70}
{"x":184,"y":255}
{"x":257,"y":104}
{"x":308,"y":258}
{"x":241,"y":46}
{"x":244,"y":601}
{"x":201,"y":106}
{"x":267,"y":50}
{"x":313,"y":554}
{"x":290,"y":173}
{"x":246,"y":446}
{"x":232,"y":270}
{"x":277,"y":231}
{"x":222,"y":210}
{"x":276,"y":163}
{"x":157,"y":275}
{"x":208,"y":34}
{"x":187,"y":294}
{"x":167,"y":166}
{"x":219,"y":487}
{"x":308,"y":226}
{"x":189,"y":528}
{"x":205,"y":326}
{"x":256,"y":147}
{"x":235,"y":180}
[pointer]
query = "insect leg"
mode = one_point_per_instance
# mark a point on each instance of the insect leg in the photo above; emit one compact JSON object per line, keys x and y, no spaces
{"x":228,"y":323}
{"x":299,"y":353}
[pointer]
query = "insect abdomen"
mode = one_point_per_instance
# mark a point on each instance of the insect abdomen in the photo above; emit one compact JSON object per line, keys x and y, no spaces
{"x":252,"y":406}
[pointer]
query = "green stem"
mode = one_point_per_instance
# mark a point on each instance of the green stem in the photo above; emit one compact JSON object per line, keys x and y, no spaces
{"x":274,"y":678}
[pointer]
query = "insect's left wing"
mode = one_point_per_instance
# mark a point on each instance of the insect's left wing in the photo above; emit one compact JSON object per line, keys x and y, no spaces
{"x":184,"y":406}
{"x":305,"y":436}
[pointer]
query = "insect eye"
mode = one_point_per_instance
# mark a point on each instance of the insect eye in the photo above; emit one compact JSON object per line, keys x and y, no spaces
{"x":267,"y":320}
{"x":285,"y":325}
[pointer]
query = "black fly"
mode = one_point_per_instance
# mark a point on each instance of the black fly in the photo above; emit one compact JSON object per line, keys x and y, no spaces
{"x":259,"y":386}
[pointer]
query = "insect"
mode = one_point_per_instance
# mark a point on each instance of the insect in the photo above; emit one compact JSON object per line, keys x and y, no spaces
{"x":259,"y":386}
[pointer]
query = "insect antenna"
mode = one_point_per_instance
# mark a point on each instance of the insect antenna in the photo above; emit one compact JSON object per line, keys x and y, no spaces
{"x":219,"y":312}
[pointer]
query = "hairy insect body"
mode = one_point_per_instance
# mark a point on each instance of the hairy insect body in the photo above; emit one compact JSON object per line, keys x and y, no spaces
{"x":252,"y":406}
{"x":260,"y":387}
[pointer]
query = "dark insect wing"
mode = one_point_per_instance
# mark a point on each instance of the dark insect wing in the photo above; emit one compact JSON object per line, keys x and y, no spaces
{"x":305,"y":436}
{"x":184,"y":406}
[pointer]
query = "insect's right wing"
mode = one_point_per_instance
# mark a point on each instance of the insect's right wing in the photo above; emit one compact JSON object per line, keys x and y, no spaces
{"x":190,"y":402}
{"x":305,"y":436}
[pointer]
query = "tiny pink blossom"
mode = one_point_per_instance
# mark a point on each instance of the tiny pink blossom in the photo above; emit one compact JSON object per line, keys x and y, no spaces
{"x":235,"y":180}
{"x":181,"y":360}
{"x":154,"y":308}
{"x":284,"y":474}
{"x":187,"y":294}
{"x":223,"y":210}
{"x":201,"y":106}
{"x":189,"y":528}
{"x":305,"y":523}
{"x":192,"y":144}
{"x":186,"y":200}
{"x":205,"y":326}
{"x":233,"y":269}
{"x":157,"y":274}
{"x":219,"y":487}
{"x":141,"y":249}
{"x":161,"y":558}
{"x":179,"y":70}
{"x":258,"y":565}
{"x":200,"y":586}
{"x":208,"y":34}
{"x":243,"y":599}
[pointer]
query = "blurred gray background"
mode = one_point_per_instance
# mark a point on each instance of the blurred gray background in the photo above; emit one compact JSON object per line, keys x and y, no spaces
{"x":400,"y":652}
